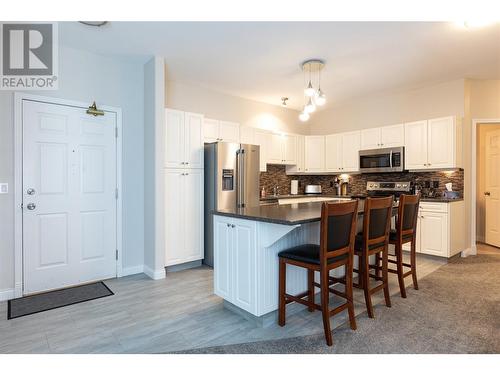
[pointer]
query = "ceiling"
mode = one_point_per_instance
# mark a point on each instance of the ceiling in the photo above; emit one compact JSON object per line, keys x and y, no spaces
{"x":260,"y":60}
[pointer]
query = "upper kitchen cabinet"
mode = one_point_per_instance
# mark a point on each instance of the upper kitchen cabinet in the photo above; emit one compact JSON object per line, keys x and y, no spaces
{"x":342,"y":152}
{"x":262,"y":138}
{"x":386,"y":136}
{"x":247,"y":135}
{"x":282,"y":149}
{"x":299,"y":166}
{"x":221,"y":131}
{"x":433,"y":144}
{"x":314,"y":150}
{"x":183,"y":139}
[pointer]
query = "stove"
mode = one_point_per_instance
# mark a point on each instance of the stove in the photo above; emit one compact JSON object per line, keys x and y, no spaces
{"x":386,"y":188}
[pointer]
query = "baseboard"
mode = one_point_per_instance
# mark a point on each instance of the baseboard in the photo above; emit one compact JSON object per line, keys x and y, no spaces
{"x":479,"y":238}
{"x":184,"y":266}
{"x":132,"y":270}
{"x":469,"y":251}
{"x":7,"y":294}
{"x":155,"y":274}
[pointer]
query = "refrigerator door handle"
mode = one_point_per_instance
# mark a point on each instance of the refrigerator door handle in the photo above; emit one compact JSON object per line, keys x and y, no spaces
{"x":242,"y":178}
{"x":238,"y":178}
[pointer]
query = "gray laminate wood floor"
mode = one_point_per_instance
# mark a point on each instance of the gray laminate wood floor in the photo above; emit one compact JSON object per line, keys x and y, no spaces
{"x":147,"y":316}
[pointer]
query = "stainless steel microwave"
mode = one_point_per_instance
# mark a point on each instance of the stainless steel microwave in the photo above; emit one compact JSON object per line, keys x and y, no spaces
{"x":382,"y":160}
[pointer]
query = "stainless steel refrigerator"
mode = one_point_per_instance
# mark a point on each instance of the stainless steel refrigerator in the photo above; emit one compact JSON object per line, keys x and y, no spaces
{"x":231,"y":181}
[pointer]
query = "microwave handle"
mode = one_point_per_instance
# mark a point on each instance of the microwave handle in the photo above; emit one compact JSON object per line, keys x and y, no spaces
{"x":390,"y":159}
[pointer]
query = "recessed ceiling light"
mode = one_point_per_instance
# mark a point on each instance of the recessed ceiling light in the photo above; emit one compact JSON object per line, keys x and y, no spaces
{"x":283,"y":101}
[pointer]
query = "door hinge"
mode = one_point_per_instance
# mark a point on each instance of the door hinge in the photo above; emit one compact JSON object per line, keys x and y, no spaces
{"x":116,"y":253}
{"x":116,"y":132}
{"x":116,"y":193}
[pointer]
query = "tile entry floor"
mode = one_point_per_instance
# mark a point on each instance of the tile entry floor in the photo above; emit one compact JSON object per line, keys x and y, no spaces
{"x":158,"y":316}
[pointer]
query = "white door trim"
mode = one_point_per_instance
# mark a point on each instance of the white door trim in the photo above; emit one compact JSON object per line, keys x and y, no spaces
{"x":472,"y":250}
{"x":18,"y":180}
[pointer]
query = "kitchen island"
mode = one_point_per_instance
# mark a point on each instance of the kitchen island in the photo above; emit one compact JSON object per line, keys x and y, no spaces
{"x":246,"y":246}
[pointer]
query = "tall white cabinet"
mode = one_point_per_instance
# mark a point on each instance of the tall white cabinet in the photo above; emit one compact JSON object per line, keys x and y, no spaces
{"x":183,"y":184}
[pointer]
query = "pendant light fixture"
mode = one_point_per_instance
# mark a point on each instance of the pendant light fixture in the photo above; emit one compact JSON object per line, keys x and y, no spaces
{"x":312,"y":97}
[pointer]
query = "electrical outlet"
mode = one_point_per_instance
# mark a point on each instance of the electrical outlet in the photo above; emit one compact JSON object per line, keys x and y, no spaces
{"x":4,"y":188}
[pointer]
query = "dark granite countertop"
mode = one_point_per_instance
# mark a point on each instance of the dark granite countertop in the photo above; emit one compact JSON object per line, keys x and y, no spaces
{"x":441,"y":199}
{"x":271,"y":198}
{"x":287,"y":214}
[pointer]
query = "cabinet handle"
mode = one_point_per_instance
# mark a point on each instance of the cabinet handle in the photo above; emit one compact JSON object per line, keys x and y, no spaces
{"x":232,"y":225}
{"x":186,"y":163}
{"x":228,"y":225}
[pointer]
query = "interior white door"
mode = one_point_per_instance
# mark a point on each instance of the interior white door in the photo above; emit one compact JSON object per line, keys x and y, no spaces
{"x":492,"y":183}
{"x":69,"y":201}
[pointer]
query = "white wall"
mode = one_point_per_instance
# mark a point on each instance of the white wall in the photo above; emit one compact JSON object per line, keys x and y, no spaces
{"x":193,"y":98}
{"x":86,"y":77}
{"x":391,"y":108}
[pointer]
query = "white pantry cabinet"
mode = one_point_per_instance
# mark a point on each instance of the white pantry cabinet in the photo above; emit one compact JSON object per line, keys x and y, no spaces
{"x":433,"y":144}
{"x":342,"y":152}
{"x":440,"y":229}
{"x":314,"y":150}
{"x":220,"y":131}
{"x":183,"y":140}
{"x":234,"y":260}
{"x":385,"y":136}
{"x":183,"y":215}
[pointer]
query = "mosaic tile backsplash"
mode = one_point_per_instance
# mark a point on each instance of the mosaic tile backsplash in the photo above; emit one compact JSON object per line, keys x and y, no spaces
{"x":276,"y":176}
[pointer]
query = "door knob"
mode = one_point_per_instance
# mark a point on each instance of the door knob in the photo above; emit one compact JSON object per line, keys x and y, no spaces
{"x":487,"y":193}
{"x":31,"y":206}
{"x":30,"y":191}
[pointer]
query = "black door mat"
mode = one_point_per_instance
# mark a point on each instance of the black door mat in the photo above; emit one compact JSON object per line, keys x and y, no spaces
{"x":57,"y":298}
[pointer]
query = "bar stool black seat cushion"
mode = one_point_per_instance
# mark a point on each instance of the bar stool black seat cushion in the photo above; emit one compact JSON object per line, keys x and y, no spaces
{"x":308,"y":253}
{"x":358,"y":244}
{"x":394,"y":234}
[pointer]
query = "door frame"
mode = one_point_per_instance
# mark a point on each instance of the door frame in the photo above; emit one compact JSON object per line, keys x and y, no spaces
{"x":475,"y":123}
{"x":18,"y":180}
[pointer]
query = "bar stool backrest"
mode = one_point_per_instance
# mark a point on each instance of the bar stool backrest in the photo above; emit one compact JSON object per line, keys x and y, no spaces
{"x":338,"y":229}
{"x":377,"y":220}
{"x":406,"y":224}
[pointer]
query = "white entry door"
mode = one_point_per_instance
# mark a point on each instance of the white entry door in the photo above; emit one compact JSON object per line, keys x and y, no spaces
{"x":492,"y":183}
{"x":69,"y":196}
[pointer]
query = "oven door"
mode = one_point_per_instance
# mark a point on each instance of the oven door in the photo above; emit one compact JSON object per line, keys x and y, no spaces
{"x":381,"y":160}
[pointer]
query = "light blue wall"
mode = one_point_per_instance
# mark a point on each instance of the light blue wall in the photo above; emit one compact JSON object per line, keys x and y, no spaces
{"x":85,"y":77}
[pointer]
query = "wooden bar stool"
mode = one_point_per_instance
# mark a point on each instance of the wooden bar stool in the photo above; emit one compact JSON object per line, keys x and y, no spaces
{"x":406,"y":231}
{"x":336,"y":249}
{"x":374,"y":240}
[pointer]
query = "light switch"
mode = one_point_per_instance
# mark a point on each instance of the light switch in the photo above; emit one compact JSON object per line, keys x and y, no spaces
{"x":4,"y":188}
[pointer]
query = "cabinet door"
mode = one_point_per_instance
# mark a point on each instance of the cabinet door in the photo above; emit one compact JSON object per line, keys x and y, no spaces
{"x":262,"y":138}
{"x":174,"y":139}
{"x":441,"y":142}
{"x":370,"y":139}
{"x":210,"y":130}
{"x":244,"y":279}
{"x":223,"y":245}
{"x":314,"y":153}
{"x":289,"y":149}
{"x":333,"y":153}
{"x":300,"y":153}
{"x":192,"y":227}
{"x":275,"y":150}
{"x":392,"y":136}
{"x":246,"y":135}
{"x":416,"y":145}
{"x":229,"y":131}
{"x":434,"y":233}
{"x":193,"y":140}
{"x":174,"y":216}
{"x":350,"y":151}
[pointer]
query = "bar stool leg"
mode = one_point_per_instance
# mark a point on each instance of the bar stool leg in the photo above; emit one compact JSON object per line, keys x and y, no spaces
{"x":350,"y":299}
{"x":325,"y":294}
{"x":385,"y":276}
{"x":377,"y":264}
{"x":366,"y":284}
{"x":310,"y":288}
{"x":282,"y":291}
{"x":413,"y":261}
{"x":400,"y":270}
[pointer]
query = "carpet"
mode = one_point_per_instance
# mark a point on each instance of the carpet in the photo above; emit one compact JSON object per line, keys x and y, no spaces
{"x":456,"y":310}
{"x":57,"y":298}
